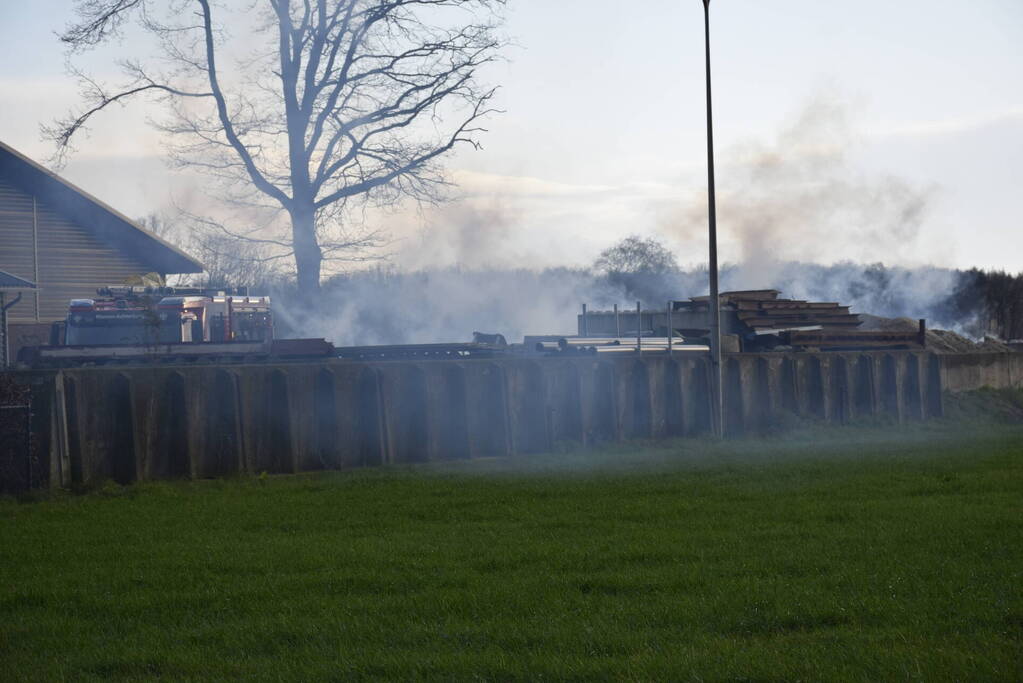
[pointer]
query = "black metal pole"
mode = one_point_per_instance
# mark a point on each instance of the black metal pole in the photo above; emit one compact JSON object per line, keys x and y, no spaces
{"x":712,"y":265}
{"x":5,"y":349}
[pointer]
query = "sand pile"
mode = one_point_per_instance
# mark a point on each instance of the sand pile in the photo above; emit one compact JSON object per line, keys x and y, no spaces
{"x":945,"y":341}
{"x":939,"y":341}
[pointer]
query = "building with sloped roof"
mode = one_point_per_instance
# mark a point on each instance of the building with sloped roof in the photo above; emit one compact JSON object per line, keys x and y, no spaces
{"x":67,"y":243}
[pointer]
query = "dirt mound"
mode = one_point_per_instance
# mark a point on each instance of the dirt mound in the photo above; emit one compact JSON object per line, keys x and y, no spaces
{"x":945,"y":341}
{"x":939,"y":341}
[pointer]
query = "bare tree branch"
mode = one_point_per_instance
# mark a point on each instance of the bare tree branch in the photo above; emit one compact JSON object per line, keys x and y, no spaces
{"x":330,"y":102}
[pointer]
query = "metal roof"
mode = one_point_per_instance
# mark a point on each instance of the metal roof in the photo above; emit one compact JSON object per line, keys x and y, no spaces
{"x":94,"y":215}
{"x":8,"y":281}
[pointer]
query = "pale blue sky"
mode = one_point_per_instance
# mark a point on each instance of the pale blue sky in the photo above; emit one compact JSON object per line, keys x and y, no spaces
{"x":603,"y":134}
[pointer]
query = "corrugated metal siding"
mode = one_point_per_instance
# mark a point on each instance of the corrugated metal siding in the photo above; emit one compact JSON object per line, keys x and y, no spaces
{"x":16,"y":245}
{"x":72,"y":262}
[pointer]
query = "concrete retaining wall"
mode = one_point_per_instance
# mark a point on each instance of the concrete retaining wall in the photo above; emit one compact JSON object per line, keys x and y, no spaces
{"x":131,"y":424}
{"x":969,"y":371}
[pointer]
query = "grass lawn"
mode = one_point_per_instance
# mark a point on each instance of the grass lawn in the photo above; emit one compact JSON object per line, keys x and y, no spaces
{"x":850,"y":554}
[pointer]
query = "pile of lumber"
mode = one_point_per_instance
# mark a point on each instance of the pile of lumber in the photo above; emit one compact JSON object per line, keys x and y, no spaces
{"x":764,"y":321}
{"x":764,"y":313}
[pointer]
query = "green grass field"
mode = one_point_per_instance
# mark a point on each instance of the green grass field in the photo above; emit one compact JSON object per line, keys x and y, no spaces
{"x":851,"y":554}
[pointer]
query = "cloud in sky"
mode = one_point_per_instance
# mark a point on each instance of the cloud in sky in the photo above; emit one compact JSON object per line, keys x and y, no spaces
{"x":123,"y":132}
{"x":798,"y":196}
{"x":604,"y":130}
{"x":801,"y":195}
{"x":508,"y":221}
{"x":953,"y":126}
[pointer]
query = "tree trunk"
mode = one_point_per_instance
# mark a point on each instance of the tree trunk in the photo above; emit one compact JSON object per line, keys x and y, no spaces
{"x":308,"y":256}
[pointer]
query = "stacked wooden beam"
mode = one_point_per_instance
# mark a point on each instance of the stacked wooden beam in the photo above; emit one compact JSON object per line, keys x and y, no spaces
{"x":763,"y":312}
{"x":856,"y":340}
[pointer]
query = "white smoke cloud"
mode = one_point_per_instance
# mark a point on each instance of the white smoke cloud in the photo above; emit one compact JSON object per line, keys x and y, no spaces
{"x":801,"y":198}
{"x":795,"y":214}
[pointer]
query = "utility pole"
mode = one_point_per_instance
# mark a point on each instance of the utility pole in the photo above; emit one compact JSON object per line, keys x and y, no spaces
{"x":714,"y":305}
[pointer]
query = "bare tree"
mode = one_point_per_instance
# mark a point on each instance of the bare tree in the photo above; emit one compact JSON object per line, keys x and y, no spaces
{"x":161,"y":226}
{"x":230,"y":263}
{"x":327,"y":108}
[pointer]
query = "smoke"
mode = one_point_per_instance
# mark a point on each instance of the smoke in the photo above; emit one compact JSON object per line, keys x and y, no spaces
{"x":801,"y":198}
{"x":891,"y":292}
{"x":445,"y":305}
{"x":794,"y":213}
{"x":478,"y":231}
{"x":388,"y":306}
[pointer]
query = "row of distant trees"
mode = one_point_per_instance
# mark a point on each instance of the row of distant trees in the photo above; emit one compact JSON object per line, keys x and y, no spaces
{"x":981,"y":302}
{"x":996,"y":297}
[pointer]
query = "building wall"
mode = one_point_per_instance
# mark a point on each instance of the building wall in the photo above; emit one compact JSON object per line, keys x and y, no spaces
{"x":72,"y":263}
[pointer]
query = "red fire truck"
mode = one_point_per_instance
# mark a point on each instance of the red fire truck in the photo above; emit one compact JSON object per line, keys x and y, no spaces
{"x":168,"y":324}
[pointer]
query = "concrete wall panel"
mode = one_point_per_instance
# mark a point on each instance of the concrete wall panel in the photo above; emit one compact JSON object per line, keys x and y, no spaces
{"x":266,"y":420}
{"x":674,"y":399}
{"x":789,"y":386}
{"x":527,"y":404}
{"x":762,"y":408}
{"x":128,"y":424}
{"x":912,"y":396}
{"x":736,"y":373}
{"x":405,"y":415}
{"x":969,"y":371}
{"x":221,"y":451}
{"x":814,"y":401}
{"x":104,"y":426}
{"x":838,"y":388}
{"x":168,"y":444}
{"x":347,"y":414}
{"x":597,"y":393}
{"x":889,"y":383}
{"x":698,"y":416}
{"x":864,"y":394}
{"x":564,"y":401}
{"x":632,"y":392}
{"x":487,"y":414}
{"x":933,"y":393}
{"x":371,"y":436}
